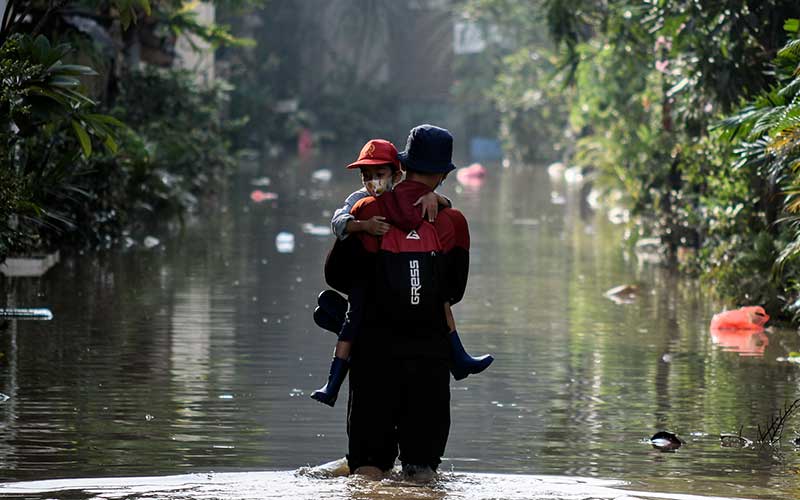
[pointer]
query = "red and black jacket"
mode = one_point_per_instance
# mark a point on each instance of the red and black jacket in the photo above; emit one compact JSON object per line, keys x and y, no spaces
{"x":385,"y":266}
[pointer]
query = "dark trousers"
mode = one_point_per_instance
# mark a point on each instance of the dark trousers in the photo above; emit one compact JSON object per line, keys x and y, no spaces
{"x":398,"y":405}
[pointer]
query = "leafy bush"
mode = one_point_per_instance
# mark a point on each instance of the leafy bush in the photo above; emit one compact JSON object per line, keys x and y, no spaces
{"x":177,"y":149}
{"x":46,"y":122}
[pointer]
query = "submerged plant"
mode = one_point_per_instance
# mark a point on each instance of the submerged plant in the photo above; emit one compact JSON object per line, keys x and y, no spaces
{"x":768,"y":436}
{"x":772,"y":434}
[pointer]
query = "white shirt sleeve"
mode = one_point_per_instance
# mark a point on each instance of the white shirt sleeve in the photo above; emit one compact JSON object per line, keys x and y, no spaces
{"x":342,"y":215}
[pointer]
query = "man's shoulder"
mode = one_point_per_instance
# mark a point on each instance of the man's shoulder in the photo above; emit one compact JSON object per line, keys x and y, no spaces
{"x":452,"y":228}
{"x":454,"y":218}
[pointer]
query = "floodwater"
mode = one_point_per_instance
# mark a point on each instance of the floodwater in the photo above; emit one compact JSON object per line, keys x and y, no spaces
{"x":183,"y":370}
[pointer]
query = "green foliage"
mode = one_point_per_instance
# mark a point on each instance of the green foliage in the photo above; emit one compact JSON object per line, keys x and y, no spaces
{"x":531,"y":105}
{"x":742,"y":273}
{"x":46,"y":120}
{"x":513,"y":80}
{"x":295,"y":77}
{"x":692,"y":107}
{"x":71,"y":173}
{"x":176,"y":150}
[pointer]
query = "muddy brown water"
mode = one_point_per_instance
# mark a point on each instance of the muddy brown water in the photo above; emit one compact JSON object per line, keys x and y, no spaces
{"x":183,"y":370}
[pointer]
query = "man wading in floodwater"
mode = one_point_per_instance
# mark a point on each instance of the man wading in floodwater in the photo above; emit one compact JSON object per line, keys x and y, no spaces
{"x":399,"y":375}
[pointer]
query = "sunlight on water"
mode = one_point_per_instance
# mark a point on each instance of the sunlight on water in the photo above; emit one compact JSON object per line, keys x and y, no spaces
{"x":307,"y":486}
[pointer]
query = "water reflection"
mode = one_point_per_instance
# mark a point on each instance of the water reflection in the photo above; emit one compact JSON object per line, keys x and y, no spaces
{"x":302,"y":486}
{"x":199,"y":354}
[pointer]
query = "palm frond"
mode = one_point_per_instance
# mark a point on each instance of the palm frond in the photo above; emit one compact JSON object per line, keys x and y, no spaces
{"x":791,"y":50}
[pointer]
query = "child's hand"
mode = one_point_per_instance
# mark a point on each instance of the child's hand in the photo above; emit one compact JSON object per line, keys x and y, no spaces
{"x":376,"y":226}
{"x":430,"y":205}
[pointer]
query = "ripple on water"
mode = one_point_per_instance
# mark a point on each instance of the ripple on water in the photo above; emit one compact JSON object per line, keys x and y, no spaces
{"x":327,"y":483}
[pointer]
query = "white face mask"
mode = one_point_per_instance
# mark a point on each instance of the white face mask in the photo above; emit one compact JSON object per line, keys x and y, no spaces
{"x":377,"y":187}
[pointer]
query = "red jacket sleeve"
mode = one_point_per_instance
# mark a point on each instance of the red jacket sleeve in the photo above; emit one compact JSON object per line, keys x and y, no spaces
{"x":365,"y":209}
{"x":453,"y":232}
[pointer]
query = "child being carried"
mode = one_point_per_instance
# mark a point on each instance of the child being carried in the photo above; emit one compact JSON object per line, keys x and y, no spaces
{"x":380,"y":172}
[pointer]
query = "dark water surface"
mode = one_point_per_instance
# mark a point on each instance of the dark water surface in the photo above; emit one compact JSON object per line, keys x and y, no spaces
{"x":198,"y":355}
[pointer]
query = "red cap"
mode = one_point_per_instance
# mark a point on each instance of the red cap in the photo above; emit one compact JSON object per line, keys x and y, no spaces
{"x":377,"y":152}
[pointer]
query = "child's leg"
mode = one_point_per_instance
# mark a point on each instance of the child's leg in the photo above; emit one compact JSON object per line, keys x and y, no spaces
{"x":339,"y":366}
{"x":461,"y":363}
{"x":341,"y":356}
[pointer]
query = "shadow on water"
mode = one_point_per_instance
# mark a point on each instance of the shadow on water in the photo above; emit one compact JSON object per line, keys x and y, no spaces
{"x":199,"y":354}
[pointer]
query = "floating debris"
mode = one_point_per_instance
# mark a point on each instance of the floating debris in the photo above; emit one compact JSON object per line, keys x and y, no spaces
{"x":261,"y":182}
{"x":557,"y":199}
{"x":623,"y":294}
{"x":471,"y":176}
{"x":249,"y":155}
{"x":322,"y":175}
{"x":556,"y":170}
{"x":744,"y":318}
{"x":316,"y":230}
{"x":734,"y":441}
{"x":649,"y":250}
{"x":38,"y":313}
{"x":573,"y":175}
{"x":284,"y":242}
{"x":151,"y":241}
{"x":793,"y":357}
{"x":525,"y":222}
{"x":618,"y":215}
{"x":258,"y":196}
{"x":666,"y":441}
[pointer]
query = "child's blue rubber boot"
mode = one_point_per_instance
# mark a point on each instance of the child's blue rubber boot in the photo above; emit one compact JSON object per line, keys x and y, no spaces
{"x":461,"y":363}
{"x":330,"y":391}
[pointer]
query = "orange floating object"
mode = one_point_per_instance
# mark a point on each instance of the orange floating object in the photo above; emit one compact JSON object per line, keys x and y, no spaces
{"x":744,"y":318}
{"x":258,"y":196}
{"x":471,"y":176}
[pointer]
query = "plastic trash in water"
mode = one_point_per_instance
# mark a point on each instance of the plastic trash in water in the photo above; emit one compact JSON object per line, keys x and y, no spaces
{"x":573,"y":175}
{"x":741,"y":330}
{"x":471,"y":176}
{"x":665,"y":441}
{"x":258,"y":196}
{"x":39,"y":313}
{"x":284,"y":242}
{"x":622,"y":294}
{"x":261,"y":182}
{"x":322,"y":175}
{"x":744,"y":318}
{"x":316,"y":230}
{"x":556,"y":170}
{"x":151,"y":241}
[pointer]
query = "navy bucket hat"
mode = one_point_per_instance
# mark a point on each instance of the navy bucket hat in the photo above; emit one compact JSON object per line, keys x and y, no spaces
{"x":429,"y":149}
